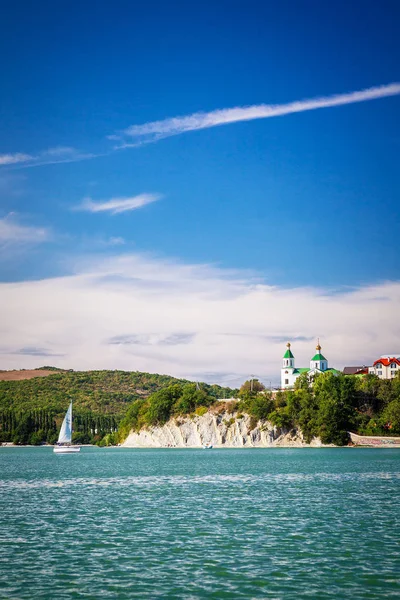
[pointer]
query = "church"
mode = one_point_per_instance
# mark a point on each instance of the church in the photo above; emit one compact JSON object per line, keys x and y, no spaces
{"x":289,"y":372}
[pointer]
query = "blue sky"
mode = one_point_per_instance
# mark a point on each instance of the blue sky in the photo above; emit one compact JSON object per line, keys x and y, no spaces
{"x":306,"y":200}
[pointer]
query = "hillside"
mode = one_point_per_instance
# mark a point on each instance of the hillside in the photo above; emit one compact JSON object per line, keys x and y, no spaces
{"x":98,"y":391}
{"x":110,"y":406}
{"x":36,"y":405}
{"x":326,"y":409}
{"x":26,"y":374}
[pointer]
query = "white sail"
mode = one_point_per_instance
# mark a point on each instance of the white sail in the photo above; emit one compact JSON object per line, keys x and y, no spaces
{"x":66,"y":428}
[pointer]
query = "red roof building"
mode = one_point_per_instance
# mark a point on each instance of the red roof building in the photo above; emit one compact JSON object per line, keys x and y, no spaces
{"x":386,"y":367}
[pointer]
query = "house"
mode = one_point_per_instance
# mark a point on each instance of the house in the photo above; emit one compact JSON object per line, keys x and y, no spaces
{"x":386,"y":367}
{"x":289,"y":372}
{"x":364,"y":370}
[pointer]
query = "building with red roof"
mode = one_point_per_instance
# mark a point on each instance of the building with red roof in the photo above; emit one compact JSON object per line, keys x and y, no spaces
{"x":386,"y":367}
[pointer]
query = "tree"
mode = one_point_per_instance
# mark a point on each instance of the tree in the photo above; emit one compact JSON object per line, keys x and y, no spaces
{"x":307,"y":407}
{"x":35,"y":439}
{"x":336,"y":399}
{"x":367,"y":388}
{"x":302,"y":382}
{"x":160,"y":405}
{"x":79,"y":437}
{"x":190,"y":398}
{"x":281,"y":418}
{"x":23,"y":430}
{"x":260,"y":406}
{"x":251,"y":388}
{"x":293,"y":400}
{"x":391,"y":417}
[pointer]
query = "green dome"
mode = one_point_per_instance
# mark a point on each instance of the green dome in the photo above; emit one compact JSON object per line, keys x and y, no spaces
{"x":288,"y":353}
{"x":318,"y":356}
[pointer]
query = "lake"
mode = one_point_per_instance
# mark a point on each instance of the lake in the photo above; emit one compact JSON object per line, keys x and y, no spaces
{"x":230,"y":523}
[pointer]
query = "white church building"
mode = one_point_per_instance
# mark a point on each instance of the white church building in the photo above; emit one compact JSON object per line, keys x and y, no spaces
{"x":289,"y":371}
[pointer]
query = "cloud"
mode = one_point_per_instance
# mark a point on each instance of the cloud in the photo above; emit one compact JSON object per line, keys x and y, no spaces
{"x":137,"y":312}
{"x":32,"y":351}
{"x":11,"y":231}
{"x":58,"y":154}
{"x":137,"y":135}
{"x":60,"y":151}
{"x":273,"y":338}
{"x":155,"y":130}
{"x":153,"y":339}
{"x":13,"y":159}
{"x":118,"y":205}
{"x":115,"y":241}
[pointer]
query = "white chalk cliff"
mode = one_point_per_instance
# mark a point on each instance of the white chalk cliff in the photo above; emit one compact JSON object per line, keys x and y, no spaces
{"x":220,"y":430}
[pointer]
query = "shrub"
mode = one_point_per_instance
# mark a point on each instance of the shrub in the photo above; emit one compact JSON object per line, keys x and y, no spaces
{"x":391,"y":417}
{"x":281,"y":418}
{"x":35,"y":439}
{"x":251,"y":388}
{"x":232,"y":407}
{"x":79,"y":437}
{"x":253,"y":423}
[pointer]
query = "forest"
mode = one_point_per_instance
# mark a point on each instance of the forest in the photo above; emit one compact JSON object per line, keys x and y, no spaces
{"x":177,"y":399}
{"x":32,"y":410}
{"x":329,"y":407}
{"x":108,"y":404}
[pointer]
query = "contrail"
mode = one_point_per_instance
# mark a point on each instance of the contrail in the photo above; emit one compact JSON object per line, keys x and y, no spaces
{"x":202,"y":120}
{"x":137,"y":135}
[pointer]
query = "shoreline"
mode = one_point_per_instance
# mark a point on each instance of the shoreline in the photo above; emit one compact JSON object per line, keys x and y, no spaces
{"x":220,"y":447}
{"x":284,"y":440}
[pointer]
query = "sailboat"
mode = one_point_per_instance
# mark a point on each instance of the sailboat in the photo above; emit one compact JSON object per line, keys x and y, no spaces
{"x":63,"y":445}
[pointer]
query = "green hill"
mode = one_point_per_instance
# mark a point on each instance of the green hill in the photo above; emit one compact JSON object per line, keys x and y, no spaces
{"x":101,"y":399}
{"x":98,"y":391}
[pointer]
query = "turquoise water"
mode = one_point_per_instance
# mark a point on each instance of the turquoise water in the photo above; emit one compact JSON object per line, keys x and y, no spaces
{"x":263,"y":523}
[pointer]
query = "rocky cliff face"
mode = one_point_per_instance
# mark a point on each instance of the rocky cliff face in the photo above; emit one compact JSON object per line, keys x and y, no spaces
{"x":221,"y":430}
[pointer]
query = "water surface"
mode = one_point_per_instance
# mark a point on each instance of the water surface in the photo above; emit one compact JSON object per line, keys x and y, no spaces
{"x":256,"y":523}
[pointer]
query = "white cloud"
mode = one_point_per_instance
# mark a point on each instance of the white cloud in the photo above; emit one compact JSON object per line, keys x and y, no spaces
{"x":50,"y":155}
{"x":139,"y":313}
{"x":58,"y":154}
{"x":115,"y":241}
{"x":11,"y":231}
{"x":137,"y":135}
{"x":13,"y":159}
{"x":60,"y":151}
{"x":118,"y":205}
{"x":202,"y":120}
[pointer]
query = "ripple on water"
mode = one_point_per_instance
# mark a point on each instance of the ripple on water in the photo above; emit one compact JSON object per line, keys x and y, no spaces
{"x":237,"y":524}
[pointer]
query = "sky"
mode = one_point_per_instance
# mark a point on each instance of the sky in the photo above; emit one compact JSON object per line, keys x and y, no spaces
{"x":184,"y":187}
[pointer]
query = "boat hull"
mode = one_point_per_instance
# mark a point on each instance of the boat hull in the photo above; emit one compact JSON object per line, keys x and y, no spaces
{"x":66,"y":449}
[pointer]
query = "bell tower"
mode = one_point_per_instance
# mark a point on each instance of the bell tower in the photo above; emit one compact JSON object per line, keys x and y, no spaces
{"x":288,"y":358}
{"x":287,"y":377}
{"x":318,"y":361}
